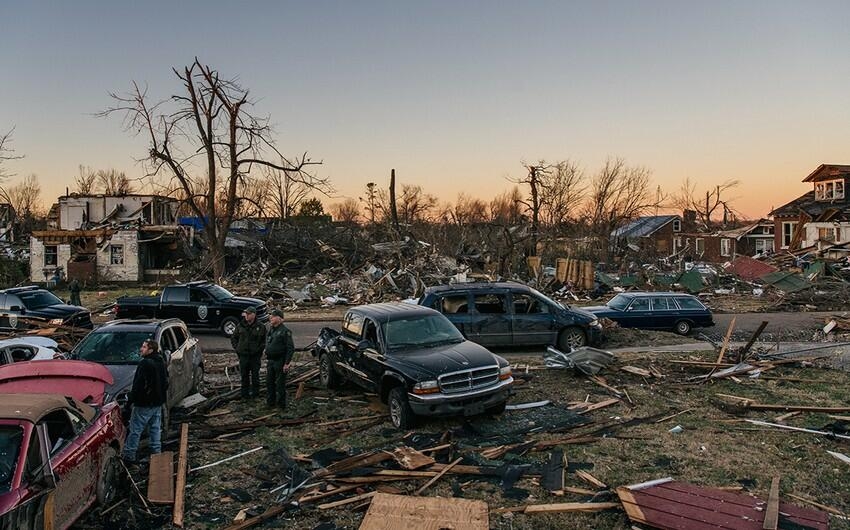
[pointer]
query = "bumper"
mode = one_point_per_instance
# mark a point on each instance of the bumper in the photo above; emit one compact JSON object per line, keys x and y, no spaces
{"x":595,"y":336}
{"x":465,"y":403}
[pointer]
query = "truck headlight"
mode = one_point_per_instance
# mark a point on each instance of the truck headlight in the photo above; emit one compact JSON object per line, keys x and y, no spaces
{"x":426,"y":387}
{"x":56,"y":322}
{"x":595,"y":323}
{"x":505,"y":372}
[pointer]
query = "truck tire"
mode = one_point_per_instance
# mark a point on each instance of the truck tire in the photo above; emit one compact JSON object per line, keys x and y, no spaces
{"x":571,"y":337}
{"x":228,"y":326}
{"x":400,"y":413}
{"x":327,"y":375}
{"x":107,"y":480}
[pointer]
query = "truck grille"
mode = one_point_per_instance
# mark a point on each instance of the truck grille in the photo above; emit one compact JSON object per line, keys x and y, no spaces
{"x":467,"y":380}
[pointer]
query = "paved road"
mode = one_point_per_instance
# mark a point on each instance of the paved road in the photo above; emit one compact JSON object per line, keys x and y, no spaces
{"x":305,"y":332}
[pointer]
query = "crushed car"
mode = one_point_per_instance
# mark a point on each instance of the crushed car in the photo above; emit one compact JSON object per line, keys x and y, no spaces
{"x":34,"y":348}
{"x":59,"y":443}
{"x":415,"y":360}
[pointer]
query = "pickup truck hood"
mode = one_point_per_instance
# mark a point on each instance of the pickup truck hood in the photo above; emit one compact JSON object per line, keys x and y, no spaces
{"x":429,"y":363}
{"x":55,"y":311}
{"x":82,"y":380}
{"x":122,"y":375}
{"x":244,"y":301}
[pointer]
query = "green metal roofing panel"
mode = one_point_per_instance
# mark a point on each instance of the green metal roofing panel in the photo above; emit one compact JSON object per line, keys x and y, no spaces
{"x":692,"y":281}
{"x":786,"y":281}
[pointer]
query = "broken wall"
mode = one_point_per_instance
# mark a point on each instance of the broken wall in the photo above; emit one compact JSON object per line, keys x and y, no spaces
{"x":39,"y":272}
{"x":118,"y":259}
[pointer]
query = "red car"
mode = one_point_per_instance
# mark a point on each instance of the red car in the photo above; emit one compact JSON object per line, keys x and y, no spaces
{"x":59,"y":444}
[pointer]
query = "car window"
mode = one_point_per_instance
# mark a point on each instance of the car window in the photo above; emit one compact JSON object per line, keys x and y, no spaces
{"x":639,"y":304}
{"x":3,"y":304}
{"x":112,"y":348}
{"x":11,"y":438}
{"x":619,"y":302}
{"x":197,"y":295}
{"x":219,"y":293}
{"x":39,"y":299}
{"x":77,"y":422}
{"x":370,"y":332}
{"x":175,"y":294}
{"x":490,"y":303}
{"x":353,"y":325}
{"x":60,"y":431}
{"x":659,"y":303}
{"x":686,"y":302}
{"x":21,"y":353}
{"x":179,"y":335}
{"x":166,"y":341}
{"x":12,"y":301}
{"x":34,"y":459}
{"x":453,"y":303}
{"x":525,"y":304}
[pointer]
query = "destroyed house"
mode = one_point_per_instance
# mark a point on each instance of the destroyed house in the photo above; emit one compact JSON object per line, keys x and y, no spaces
{"x":655,"y":233}
{"x":725,"y":245}
{"x":125,"y":238}
{"x":820,"y":217}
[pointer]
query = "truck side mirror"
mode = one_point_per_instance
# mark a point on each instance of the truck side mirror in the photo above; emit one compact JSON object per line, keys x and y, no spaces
{"x":365,"y":344}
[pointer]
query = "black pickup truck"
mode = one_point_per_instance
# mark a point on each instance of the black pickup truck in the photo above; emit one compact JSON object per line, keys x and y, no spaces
{"x":24,"y":307}
{"x":415,"y":360}
{"x":198,"y":304}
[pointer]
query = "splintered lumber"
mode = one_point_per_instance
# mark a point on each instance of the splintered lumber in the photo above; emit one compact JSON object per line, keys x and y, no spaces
{"x":438,"y":475}
{"x":161,"y":478}
{"x":228,"y":459}
{"x":566,"y":507}
{"x":301,"y":378}
{"x":352,"y":462}
{"x":347,"y":420}
{"x":309,"y":498}
{"x":409,"y":458}
{"x":771,"y":516}
{"x":798,"y":429}
{"x":270,"y":513}
{"x":300,"y":391}
{"x":182,"y":469}
{"x":350,"y":500}
{"x":748,"y":403}
{"x":587,"y":477}
{"x":584,"y":408}
{"x":671,"y":416}
{"x":636,"y":371}
{"x":844,"y":458}
{"x":726,"y":341}
{"x":391,"y":512}
{"x":742,"y":354}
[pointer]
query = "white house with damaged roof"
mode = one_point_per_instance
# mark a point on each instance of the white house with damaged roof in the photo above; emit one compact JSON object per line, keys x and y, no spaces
{"x":654,"y":233}
{"x":120,"y":238}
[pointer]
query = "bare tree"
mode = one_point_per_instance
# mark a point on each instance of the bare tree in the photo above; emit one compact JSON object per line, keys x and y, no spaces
{"x":535,"y":173}
{"x":618,"y":193}
{"x":207,"y":128}
{"x":114,"y":182}
{"x":7,"y":153}
{"x":466,"y":211}
{"x":347,"y":211}
{"x":415,"y":205}
{"x":85,"y":181}
{"x":506,"y":208}
{"x":25,"y":196}
{"x":371,"y":202}
{"x":286,"y":191}
{"x":706,"y":207}
{"x":562,"y":189}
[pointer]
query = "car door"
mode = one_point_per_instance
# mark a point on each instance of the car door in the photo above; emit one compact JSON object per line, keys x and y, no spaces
{"x":200,"y":302}
{"x":349,"y":362}
{"x":663,"y":315}
{"x":175,"y":303}
{"x":637,"y":314}
{"x":35,"y":491}
{"x":532,"y":321}
{"x":490,"y":323}
{"x":455,"y":306}
{"x":177,"y":388}
{"x":370,"y":360}
{"x":11,"y":312}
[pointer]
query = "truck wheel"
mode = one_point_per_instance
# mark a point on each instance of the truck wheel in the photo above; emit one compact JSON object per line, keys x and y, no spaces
{"x":683,"y":327}
{"x":228,"y":326}
{"x":107,"y":481}
{"x":400,"y":413}
{"x":327,"y":376}
{"x":498,"y":409}
{"x":571,"y":337}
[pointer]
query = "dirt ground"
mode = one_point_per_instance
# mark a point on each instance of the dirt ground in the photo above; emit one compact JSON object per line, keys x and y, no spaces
{"x":625,"y":443}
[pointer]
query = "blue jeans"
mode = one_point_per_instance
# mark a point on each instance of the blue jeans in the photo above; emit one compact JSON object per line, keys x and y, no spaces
{"x":142,"y":418}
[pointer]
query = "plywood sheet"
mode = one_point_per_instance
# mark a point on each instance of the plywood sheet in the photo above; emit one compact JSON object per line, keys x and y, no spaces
{"x":409,"y":458}
{"x":161,"y":478}
{"x":393,"y":512}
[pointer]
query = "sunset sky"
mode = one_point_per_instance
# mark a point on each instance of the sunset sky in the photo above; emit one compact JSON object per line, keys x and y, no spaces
{"x":453,"y":95}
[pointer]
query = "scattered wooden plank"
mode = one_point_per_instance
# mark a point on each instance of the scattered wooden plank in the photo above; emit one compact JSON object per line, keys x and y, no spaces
{"x":306,"y":499}
{"x":347,"y":420}
{"x":783,"y":417}
{"x":742,"y":353}
{"x":270,"y":513}
{"x":587,"y":477}
{"x":584,"y":408}
{"x":182,"y":469}
{"x":437,"y":476}
{"x":671,"y":416}
{"x":409,"y":458}
{"x":350,"y":500}
{"x":577,"y":491}
{"x":771,"y":515}
{"x":844,"y":458}
{"x":726,"y":341}
{"x":228,"y":459}
{"x":824,"y":507}
{"x":161,"y":478}
{"x":568,"y":507}
{"x":391,"y":512}
{"x":300,"y":391}
{"x":636,"y":371}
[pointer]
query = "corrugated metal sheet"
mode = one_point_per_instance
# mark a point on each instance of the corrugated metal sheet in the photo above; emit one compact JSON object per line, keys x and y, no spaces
{"x":786,"y":281}
{"x":748,"y":269}
{"x":643,"y":226}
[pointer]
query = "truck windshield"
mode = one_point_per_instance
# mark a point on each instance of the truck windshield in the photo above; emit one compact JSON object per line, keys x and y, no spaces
{"x":111,"y":348}
{"x":219,"y":293}
{"x":39,"y":299}
{"x":420,"y":332}
{"x":10,"y":445}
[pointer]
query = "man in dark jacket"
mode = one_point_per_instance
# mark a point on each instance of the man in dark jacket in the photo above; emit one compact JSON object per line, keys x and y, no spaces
{"x":148,"y":395}
{"x":279,"y":350}
{"x":248,"y":340}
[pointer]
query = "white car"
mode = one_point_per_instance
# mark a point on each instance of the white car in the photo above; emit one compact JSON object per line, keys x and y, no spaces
{"x":29,"y":349}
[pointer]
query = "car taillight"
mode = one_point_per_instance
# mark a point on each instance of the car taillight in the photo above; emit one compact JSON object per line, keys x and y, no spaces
{"x":115,"y":309}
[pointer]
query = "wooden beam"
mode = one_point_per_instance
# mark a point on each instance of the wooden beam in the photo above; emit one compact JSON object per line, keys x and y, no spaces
{"x":771,"y":516}
{"x":161,"y":478}
{"x":182,"y":469}
{"x":350,"y":500}
{"x":438,"y":475}
{"x":587,"y":477}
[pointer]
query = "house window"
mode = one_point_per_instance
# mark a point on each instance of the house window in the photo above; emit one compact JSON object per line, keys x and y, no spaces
{"x":677,"y":225}
{"x":828,"y":234}
{"x":829,"y":191}
{"x":788,"y":228}
{"x":764,"y":245}
{"x":678,"y":243}
{"x":700,"y":245}
{"x":767,"y":230}
{"x":116,"y":254}
{"x":725,"y":247}
{"x":51,"y":255}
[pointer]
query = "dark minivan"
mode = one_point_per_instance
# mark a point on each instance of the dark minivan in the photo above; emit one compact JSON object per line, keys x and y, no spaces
{"x":512,"y":314}
{"x":677,"y":312}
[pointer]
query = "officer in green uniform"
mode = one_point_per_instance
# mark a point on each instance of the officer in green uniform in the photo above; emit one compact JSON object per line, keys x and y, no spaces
{"x":279,"y":350}
{"x":248,"y":341}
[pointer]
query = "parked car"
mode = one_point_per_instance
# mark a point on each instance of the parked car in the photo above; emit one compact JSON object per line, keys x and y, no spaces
{"x":415,"y":360}
{"x":677,"y":312}
{"x":512,"y":314}
{"x":198,"y":304}
{"x":116,"y":346}
{"x":18,"y":305}
{"x":59,"y":443}
{"x":29,"y":349}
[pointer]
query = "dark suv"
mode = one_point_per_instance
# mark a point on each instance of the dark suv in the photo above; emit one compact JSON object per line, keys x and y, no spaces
{"x":415,"y":360}
{"x":21,"y":304}
{"x":512,"y":314}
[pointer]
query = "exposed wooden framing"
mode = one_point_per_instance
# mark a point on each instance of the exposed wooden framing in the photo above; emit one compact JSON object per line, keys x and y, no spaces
{"x":182,"y":469}
{"x":437,"y":476}
{"x":771,"y":516}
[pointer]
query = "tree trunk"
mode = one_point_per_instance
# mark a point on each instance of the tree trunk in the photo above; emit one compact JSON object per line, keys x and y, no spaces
{"x":393,"y":207}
